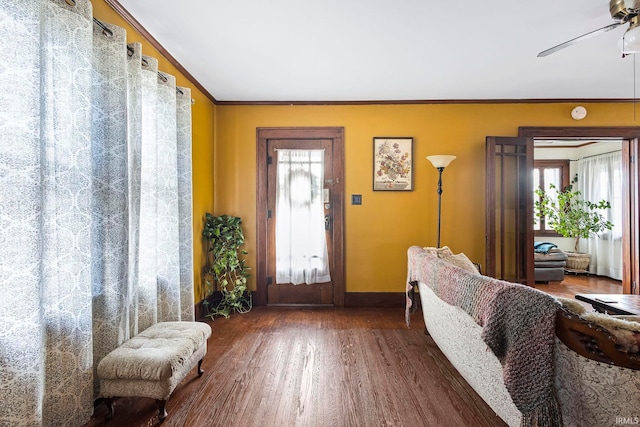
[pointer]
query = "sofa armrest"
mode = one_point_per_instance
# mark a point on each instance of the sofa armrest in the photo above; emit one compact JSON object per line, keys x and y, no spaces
{"x":592,"y":341}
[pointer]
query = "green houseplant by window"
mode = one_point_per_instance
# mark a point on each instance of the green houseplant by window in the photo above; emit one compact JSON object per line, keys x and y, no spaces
{"x":225,"y":273}
{"x":572,"y":216}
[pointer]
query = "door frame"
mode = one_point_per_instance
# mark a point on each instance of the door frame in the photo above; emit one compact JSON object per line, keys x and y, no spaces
{"x":263,"y":135}
{"x":630,"y":136}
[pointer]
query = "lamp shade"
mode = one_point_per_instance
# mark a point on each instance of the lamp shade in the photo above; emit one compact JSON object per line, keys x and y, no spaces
{"x":441,"y":160}
{"x":630,"y":42}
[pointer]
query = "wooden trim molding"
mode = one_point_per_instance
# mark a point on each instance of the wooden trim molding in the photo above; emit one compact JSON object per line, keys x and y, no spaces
{"x":430,"y":101}
{"x":378,"y":299}
{"x":124,"y":13}
{"x":561,"y":132}
{"x":351,"y":299}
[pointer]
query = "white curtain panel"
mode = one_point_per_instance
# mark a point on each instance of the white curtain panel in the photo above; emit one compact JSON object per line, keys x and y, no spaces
{"x":21,"y":237}
{"x":90,"y":145}
{"x":134,"y":142}
{"x":147,"y":269}
{"x":45,"y":140}
{"x":301,"y":243}
{"x":600,"y":178}
{"x":167,"y":219}
{"x":185,"y":202}
{"x":66,"y":213}
{"x":110,"y":219}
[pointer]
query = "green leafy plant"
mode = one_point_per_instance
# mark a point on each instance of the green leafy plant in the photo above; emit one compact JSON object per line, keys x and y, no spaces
{"x":571,"y":215}
{"x":225,"y":272}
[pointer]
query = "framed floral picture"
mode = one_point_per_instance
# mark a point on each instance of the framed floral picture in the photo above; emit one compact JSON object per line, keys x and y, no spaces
{"x":392,"y":164}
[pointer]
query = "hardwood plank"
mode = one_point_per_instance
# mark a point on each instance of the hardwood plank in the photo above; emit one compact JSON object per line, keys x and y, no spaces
{"x":284,"y":366}
{"x":573,"y":284}
{"x":289,"y":366}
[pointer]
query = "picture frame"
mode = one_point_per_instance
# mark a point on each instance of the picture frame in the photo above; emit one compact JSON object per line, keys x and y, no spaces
{"x":392,"y":163}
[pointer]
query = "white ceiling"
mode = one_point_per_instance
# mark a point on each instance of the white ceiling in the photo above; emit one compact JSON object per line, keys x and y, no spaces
{"x":381,"y":50}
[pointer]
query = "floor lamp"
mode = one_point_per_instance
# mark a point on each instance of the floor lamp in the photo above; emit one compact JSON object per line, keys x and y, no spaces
{"x":440,"y":162}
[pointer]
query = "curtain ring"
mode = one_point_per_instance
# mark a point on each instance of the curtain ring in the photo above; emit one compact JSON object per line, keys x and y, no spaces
{"x":105,"y":30}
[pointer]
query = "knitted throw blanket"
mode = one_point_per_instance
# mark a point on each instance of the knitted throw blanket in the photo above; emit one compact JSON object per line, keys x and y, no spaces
{"x":518,"y":325}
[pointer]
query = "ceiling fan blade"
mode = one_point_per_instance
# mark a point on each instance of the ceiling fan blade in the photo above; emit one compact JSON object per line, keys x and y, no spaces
{"x":579,"y":39}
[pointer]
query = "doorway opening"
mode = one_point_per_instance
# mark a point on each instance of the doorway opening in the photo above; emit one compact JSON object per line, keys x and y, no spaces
{"x":594,"y":167}
{"x":509,"y":200}
{"x":629,"y":137}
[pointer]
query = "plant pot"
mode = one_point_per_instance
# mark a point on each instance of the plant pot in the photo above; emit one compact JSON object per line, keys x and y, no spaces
{"x":212,"y":301}
{"x":578,"y":260}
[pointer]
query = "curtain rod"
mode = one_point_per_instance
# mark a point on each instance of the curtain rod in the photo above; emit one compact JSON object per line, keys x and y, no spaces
{"x":595,"y":155}
{"x":146,"y":64}
{"x":107,"y":32}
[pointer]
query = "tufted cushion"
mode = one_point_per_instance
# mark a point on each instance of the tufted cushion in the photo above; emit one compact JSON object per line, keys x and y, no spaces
{"x":156,"y":353}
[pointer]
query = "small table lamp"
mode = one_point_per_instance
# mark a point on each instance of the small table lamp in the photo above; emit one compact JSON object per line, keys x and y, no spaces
{"x":440,"y":162}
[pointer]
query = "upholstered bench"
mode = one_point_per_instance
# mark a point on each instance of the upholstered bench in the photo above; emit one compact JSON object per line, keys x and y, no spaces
{"x":153,"y":363}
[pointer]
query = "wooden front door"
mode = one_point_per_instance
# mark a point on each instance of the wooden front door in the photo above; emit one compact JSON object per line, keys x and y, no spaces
{"x":271,"y":142}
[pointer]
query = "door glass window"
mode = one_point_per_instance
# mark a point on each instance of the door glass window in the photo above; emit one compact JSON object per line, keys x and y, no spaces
{"x":301,"y":245}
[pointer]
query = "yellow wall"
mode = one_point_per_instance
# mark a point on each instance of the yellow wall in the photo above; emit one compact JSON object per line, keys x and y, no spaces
{"x":203,"y":113}
{"x":379,"y":231}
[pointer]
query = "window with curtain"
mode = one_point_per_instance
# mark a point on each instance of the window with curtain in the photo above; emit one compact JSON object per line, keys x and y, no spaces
{"x":96,"y":236}
{"x":546,"y":172}
{"x":301,"y":244}
{"x":600,"y":178}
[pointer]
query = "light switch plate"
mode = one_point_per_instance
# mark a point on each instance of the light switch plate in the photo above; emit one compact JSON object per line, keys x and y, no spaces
{"x":356,"y":199}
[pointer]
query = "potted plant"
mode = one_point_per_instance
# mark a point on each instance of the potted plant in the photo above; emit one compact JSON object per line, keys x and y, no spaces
{"x":225,"y":273}
{"x":572,"y":216}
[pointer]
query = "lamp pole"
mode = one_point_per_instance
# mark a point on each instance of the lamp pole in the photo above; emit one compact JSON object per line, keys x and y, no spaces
{"x":440,"y":162}
{"x":440,"y":169}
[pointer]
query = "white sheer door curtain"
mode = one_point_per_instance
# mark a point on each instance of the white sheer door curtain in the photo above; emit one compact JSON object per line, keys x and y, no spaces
{"x":301,"y":242}
{"x":96,"y":205}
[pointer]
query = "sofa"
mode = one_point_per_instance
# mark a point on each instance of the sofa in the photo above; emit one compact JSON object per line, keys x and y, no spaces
{"x":503,"y":339}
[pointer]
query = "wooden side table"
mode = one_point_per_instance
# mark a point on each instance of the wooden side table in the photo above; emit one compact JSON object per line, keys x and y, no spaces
{"x":616,"y":304}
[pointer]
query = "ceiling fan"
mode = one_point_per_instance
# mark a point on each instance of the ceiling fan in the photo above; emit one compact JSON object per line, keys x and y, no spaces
{"x":622,"y":12}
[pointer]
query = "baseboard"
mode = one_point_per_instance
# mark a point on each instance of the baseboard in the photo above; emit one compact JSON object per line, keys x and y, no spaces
{"x":352,"y":299}
{"x":375,"y":299}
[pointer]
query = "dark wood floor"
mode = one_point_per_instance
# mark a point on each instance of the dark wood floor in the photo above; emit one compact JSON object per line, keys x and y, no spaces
{"x":316,"y":367}
{"x":325,"y":367}
{"x":581,"y":284}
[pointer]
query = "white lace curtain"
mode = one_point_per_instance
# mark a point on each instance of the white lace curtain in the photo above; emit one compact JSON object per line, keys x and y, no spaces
{"x":600,"y":177}
{"x":95,"y":208}
{"x":301,"y":244}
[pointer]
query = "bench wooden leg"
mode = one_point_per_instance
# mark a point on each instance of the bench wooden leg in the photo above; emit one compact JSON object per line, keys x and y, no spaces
{"x":200,"y":371}
{"x":162,"y":412}
{"x":109,"y":402}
